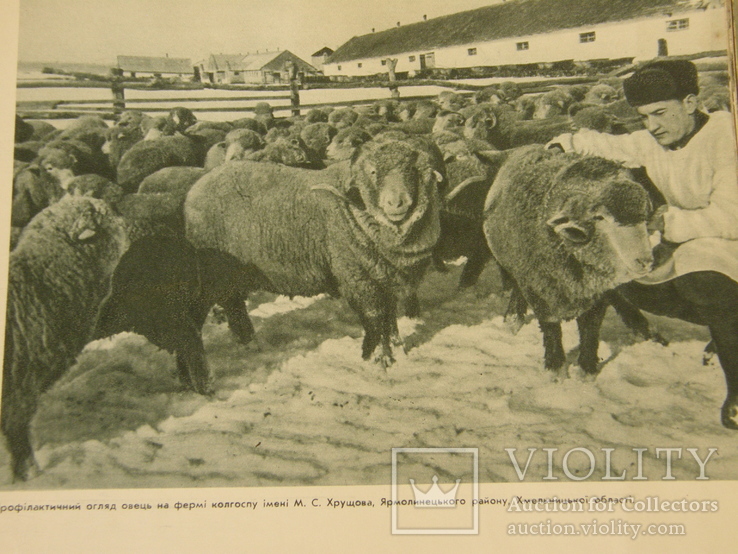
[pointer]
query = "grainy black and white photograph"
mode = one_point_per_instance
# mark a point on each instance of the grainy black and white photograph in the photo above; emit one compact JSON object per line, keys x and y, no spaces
{"x":264,"y":244}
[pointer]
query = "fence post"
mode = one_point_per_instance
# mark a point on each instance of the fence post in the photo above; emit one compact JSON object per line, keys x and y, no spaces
{"x":119,"y":96}
{"x":391,"y":65}
{"x":294,"y":87}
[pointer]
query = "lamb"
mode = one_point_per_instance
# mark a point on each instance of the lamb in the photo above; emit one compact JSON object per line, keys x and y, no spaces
{"x":163,"y":289}
{"x":299,"y":233}
{"x":566,"y":229}
{"x":59,"y":275}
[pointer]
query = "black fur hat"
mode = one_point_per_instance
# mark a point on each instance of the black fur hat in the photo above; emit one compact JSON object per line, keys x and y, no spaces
{"x":661,"y":80}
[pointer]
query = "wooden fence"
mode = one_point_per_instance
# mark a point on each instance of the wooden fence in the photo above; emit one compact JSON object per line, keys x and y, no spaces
{"x":112,"y":107}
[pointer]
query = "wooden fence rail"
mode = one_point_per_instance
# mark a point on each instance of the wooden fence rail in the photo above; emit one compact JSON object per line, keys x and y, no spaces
{"x":111,"y":108}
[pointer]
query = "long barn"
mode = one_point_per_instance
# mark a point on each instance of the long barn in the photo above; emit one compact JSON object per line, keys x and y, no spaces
{"x":520,"y":32}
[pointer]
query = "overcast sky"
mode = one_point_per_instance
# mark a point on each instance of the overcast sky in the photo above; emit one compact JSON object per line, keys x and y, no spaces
{"x":96,"y":31}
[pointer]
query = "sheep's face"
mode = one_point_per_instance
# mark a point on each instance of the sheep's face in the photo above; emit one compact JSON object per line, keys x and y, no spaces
{"x":317,"y":137}
{"x":551,"y":104}
{"x":607,"y":233}
{"x":395,"y":181}
{"x":345,"y":143}
{"x":480,"y":125}
{"x":451,"y":121}
{"x":288,"y":151}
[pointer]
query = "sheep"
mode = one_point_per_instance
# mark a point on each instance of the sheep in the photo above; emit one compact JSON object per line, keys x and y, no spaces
{"x":343,"y":118}
{"x":508,"y":131}
{"x":174,"y":180}
{"x":317,"y":137}
{"x":41,"y":129}
{"x":263,"y":113}
{"x":23,"y":130}
{"x":163,"y":289}
{"x":181,"y":119}
{"x":148,"y":156}
{"x":593,"y":117}
{"x":345,"y":143}
{"x":368,"y":237}
{"x":58,"y":277}
{"x":290,"y":151}
{"x":566,"y":229}
{"x":449,"y":121}
{"x":242,"y":142}
{"x":33,"y":190}
{"x":119,"y":140}
{"x":552,"y":103}
{"x":250,"y":123}
{"x":425,"y":109}
{"x":79,"y":156}
{"x":601,"y":94}
{"x":450,"y":101}
{"x":95,"y":186}
{"x":224,"y":126}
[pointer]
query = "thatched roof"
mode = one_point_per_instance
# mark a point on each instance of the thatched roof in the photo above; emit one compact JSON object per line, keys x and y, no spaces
{"x":509,"y":19}
{"x":148,"y":64}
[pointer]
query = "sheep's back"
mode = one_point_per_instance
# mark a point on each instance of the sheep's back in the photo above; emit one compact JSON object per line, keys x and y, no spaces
{"x":269,"y":217}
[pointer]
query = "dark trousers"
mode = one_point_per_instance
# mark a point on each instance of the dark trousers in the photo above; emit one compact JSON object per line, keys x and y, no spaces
{"x":705,"y":298}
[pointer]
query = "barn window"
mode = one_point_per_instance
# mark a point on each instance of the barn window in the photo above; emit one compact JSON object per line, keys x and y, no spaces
{"x":384,"y":62}
{"x":411,"y":58}
{"x":522,"y":45}
{"x":677,"y":24}
{"x":587,"y":37}
{"x":359,"y":65}
{"x":472,"y":51}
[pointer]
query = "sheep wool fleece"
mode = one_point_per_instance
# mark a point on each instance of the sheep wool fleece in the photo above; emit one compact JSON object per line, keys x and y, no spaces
{"x":700,"y":184}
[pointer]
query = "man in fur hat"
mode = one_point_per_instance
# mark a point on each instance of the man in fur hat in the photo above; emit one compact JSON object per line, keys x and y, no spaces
{"x":691,"y":158}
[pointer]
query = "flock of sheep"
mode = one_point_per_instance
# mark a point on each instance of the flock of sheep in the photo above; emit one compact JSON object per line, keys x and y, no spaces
{"x":144,"y":226}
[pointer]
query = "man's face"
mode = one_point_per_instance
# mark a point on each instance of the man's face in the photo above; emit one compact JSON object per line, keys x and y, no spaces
{"x":669,"y":121}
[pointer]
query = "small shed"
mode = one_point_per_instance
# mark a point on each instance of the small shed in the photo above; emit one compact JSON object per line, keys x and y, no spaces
{"x":321,"y":56}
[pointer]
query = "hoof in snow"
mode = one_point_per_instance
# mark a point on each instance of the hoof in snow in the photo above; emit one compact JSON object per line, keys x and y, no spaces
{"x":729,"y":415}
{"x":583,"y":376}
{"x":559,"y":375}
{"x":514,"y":323}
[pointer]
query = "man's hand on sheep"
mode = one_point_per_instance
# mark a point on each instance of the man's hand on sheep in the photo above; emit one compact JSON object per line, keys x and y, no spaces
{"x":656,"y":223}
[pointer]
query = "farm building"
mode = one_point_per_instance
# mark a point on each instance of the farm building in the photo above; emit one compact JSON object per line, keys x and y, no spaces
{"x":261,"y":68}
{"x":319,"y":58}
{"x":148,"y":66}
{"x":520,"y":32}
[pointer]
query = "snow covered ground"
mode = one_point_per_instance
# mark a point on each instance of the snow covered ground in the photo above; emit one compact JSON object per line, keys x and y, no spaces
{"x":300,"y":407}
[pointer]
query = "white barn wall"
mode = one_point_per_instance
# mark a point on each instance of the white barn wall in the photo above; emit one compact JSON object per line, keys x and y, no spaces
{"x":637,"y":38}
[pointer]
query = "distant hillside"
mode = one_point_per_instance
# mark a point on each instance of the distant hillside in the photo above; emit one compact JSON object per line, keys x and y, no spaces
{"x":100,"y":69}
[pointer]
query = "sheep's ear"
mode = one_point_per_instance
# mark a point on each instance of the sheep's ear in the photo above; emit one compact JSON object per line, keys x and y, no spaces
{"x":569,"y":230}
{"x":85,"y":226}
{"x":492,"y":120}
